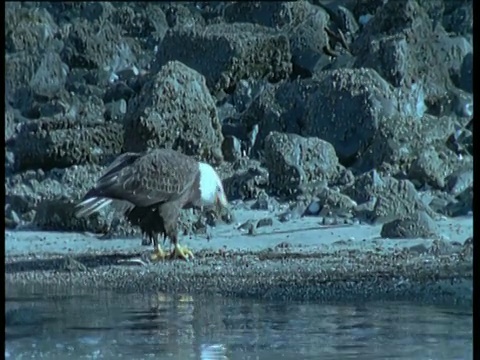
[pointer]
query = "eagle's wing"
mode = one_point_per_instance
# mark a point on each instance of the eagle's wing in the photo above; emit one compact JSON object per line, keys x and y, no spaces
{"x":146,"y":179}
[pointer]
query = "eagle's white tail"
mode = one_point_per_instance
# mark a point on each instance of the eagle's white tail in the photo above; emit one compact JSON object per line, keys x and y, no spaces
{"x":91,"y":205}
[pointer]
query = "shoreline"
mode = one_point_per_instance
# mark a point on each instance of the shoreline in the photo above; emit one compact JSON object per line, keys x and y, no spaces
{"x":298,"y":260}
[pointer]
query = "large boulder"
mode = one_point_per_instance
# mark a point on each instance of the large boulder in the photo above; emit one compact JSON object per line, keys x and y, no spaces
{"x":388,"y":199}
{"x":47,"y":144}
{"x":227,"y":53}
{"x":302,"y":22}
{"x":293,"y":160}
{"x":401,"y":43}
{"x":344,"y":107}
{"x":174,"y":109}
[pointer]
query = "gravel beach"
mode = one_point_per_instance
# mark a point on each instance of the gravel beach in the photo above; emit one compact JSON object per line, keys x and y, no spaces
{"x":297,"y":261}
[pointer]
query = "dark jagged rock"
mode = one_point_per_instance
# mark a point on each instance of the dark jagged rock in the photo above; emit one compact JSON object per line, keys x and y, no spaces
{"x":244,"y":179}
{"x":390,"y":198}
{"x":400,"y":140}
{"x":99,"y":45}
{"x":28,"y":29}
{"x":293,"y":160}
{"x":141,"y":21}
{"x":330,"y":202}
{"x":48,"y":144}
{"x":417,"y":225}
{"x":50,"y":77}
{"x":400,"y":43}
{"x":458,"y":16}
{"x":387,"y":83}
{"x":58,"y":215}
{"x":344,"y":107}
{"x":429,"y":168}
{"x":25,"y":191}
{"x":237,"y":51}
{"x":175,"y":110}
{"x":303,"y":23}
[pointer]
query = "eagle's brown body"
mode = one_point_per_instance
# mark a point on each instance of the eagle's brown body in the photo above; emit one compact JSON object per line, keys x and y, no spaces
{"x":151,"y":189}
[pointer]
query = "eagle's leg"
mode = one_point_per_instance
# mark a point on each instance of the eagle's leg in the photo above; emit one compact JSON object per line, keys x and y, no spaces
{"x":180,"y":252}
{"x":158,"y":253}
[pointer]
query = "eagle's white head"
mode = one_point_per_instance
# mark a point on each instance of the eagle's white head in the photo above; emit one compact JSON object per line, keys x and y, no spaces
{"x":211,"y":188}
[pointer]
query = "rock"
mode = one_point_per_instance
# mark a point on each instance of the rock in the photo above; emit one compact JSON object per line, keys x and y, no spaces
{"x":388,"y":198}
{"x":400,"y":140}
{"x":175,"y":110}
{"x":116,"y":111}
{"x":274,"y":14}
{"x":99,"y":45}
{"x":454,"y":50}
{"x":293,"y":160}
{"x":48,"y":144}
{"x":50,"y":77}
{"x":28,"y":29}
{"x":58,"y":215}
{"x":462,"y":205}
{"x":245,"y":179}
{"x":417,"y":225}
{"x":462,"y":104}
{"x":302,"y":22}
{"x":400,"y":43}
{"x":330,"y":202}
{"x":235,"y":52}
{"x":466,"y":73}
{"x":91,"y":11}
{"x":264,"y":222}
{"x":145,"y":22}
{"x":458,"y":17}
{"x":19,"y":70}
{"x":459,"y":181}
{"x":429,"y":168}
{"x":308,"y":43}
{"x":12,"y":220}
{"x":10,"y":125}
{"x":345,"y":107}
{"x":183,"y":16}
{"x":265,"y":202}
{"x":461,"y":141}
{"x":231,"y":148}
{"x":25,"y":191}
{"x":245,"y":92}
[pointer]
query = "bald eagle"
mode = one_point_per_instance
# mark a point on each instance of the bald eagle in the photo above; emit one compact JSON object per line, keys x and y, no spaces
{"x":151,"y":189}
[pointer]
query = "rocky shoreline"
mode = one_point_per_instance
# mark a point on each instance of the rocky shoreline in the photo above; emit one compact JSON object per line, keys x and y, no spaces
{"x":302,"y":261}
{"x":355,"y":113}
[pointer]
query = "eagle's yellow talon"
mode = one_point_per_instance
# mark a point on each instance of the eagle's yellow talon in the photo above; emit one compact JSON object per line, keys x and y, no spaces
{"x":158,"y":254}
{"x":181,"y":252}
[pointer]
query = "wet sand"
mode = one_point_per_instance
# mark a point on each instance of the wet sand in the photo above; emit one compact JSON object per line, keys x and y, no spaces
{"x":297,"y":260}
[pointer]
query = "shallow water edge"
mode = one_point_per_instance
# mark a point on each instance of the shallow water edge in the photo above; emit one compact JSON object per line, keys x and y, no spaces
{"x":307,"y":262}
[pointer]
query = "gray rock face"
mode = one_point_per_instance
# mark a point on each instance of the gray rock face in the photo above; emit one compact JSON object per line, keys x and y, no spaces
{"x":428,"y":168}
{"x":344,"y":107}
{"x":274,"y":14}
{"x":389,"y":198}
{"x":237,"y":51}
{"x":361,"y":107}
{"x":244,"y":179}
{"x":48,"y":144}
{"x":293,"y":160}
{"x":418,"y":225}
{"x":175,"y":110}
{"x":400,"y":43}
{"x":51,"y":76}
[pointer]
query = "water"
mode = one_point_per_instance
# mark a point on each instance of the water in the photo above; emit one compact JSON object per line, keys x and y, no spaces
{"x":111,"y":325}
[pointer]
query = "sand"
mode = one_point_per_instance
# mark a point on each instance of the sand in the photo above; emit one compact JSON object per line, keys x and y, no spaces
{"x":297,"y":260}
